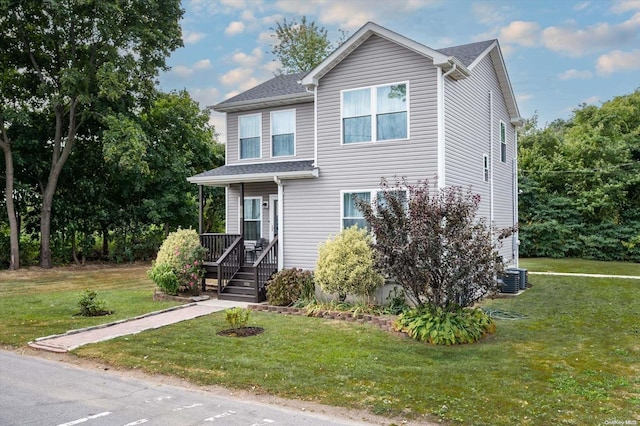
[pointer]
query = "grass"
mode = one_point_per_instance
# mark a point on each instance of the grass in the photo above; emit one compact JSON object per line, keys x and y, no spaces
{"x":572,"y":361}
{"x":36,"y":302}
{"x":545,"y":264}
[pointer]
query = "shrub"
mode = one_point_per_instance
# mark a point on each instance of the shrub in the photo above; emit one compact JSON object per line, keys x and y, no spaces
{"x":237,"y":317}
{"x":289,"y":285}
{"x":162,"y":274}
{"x":90,"y":305}
{"x":396,"y":302}
{"x":445,"y":326}
{"x":431,"y":243}
{"x":346,"y":265}
{"x":182,"y":253}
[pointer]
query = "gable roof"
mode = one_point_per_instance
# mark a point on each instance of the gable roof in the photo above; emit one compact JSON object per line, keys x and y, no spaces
{"x":467,"y":53}
{"x":352,"y":43}
{"x":280,"y":90}
{"x":458,"y":61}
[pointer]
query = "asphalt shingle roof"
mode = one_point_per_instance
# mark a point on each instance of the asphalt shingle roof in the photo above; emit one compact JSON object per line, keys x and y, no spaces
{"x":466,"y":53}
{"x":260,"y":168}
{"x":281,"y":85}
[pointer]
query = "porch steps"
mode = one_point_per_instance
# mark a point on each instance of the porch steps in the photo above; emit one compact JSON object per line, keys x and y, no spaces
{"x":241,"y":286}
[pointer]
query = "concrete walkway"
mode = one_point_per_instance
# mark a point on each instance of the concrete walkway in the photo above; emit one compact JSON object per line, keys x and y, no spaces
{"x":76,"y":338}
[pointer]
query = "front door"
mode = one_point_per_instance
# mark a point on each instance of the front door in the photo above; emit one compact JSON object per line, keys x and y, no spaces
{"x":273,"y":216}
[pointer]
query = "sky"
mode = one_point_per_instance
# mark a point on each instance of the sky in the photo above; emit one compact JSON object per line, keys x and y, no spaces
{"x":559,"y":54}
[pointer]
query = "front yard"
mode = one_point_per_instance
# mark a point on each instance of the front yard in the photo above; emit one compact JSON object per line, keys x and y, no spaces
{"x":572,"y":360}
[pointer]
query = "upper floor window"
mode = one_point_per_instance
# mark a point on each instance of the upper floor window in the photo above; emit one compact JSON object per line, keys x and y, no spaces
{"x":375,"y":114}
{"x":503,"y":142}
{"x":249,"y":130}
{"x":283,"y":133}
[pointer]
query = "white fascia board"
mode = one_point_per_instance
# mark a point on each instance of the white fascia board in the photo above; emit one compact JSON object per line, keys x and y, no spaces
{"x":256,"y":177}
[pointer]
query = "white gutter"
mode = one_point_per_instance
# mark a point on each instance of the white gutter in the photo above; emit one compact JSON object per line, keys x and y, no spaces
{"x":441,"y":124}
{"x":491,"y":157}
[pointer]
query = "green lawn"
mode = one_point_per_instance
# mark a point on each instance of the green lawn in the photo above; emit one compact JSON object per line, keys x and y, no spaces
{"x":573,"y":360}
{"x":545,"y":264}
{"x":36,"y":302}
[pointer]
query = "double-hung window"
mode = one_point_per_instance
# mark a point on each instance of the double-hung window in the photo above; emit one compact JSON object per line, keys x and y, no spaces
{"x":375,"y":113}
{"x":252,"y":218}
{"x":351,"y":214}
{"x":503,"y":142}
{"x":249,"y":130}
{"x":283,"y":133}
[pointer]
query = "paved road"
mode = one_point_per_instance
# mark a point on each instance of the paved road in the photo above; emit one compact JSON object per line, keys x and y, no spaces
{"x":35,"y":391}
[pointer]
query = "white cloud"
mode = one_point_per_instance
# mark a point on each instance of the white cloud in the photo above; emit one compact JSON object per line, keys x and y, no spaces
{"x":523,"y":97}
{"x":618,"y":61}
{"x":602,"y":36}
{"x":205,"y":96}
{"x":272,"y":66}
{"x":192,"y":37}
{"x":202,"y":65}
{"x":185,"y":71}
{"x":266,"y":37}
{"x":182,"y":71}
{"x":573,"y":74}
{"x":231,"y":94}
{"x":487,"y":13}
{"x":621,"y":6}
{"x":251,"y":60}
{"x":581,"y":6}
{"x":523,"y":33}
{"x":591,"y":100}
{"x":234,"y":28}
{"x":249,"y":83}
{"x":236,"y":76}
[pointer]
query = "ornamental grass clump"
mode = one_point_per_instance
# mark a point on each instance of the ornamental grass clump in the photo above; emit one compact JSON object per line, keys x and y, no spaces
{"x":345,"y":265}
{"x":179,"y":265}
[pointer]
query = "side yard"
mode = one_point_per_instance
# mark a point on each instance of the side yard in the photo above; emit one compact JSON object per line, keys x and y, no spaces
{"x":571,"y":359}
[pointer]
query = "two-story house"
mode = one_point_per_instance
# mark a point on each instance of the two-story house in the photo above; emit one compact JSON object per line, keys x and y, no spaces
{"x":300,"y":147}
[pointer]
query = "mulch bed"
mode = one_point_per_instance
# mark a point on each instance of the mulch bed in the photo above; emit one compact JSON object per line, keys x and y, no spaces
{"x":241,"y":332}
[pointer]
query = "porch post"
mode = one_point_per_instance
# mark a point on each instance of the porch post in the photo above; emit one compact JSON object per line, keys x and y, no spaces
{"x":241,"y":208}
{"x":281,"y":229}
{"x":200,"y":210}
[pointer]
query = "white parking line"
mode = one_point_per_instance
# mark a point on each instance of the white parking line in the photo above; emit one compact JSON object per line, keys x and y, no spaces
{"x":85,"y":419}
{"x":137,"y":422}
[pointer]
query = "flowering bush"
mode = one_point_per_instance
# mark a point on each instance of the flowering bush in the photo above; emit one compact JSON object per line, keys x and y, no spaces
{"x":181,"y":256}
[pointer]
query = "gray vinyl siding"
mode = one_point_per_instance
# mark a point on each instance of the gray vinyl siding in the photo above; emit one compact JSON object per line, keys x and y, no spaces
{"x":261,"y":189}
{"x":312,"y":207}
{"x":468,"y":137}
{"x":304,"y":134}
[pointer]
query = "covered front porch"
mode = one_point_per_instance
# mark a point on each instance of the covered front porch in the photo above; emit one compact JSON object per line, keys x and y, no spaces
{"x":241,"y":261}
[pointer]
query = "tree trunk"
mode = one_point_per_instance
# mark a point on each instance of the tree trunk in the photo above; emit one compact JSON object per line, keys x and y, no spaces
{"x":14,"y":260}
{"x":58,"y":158}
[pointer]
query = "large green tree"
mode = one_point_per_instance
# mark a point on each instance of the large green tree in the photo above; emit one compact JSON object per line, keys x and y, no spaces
{"x":78,"y":59}
{"x":580,"y":182}
{"x":300,"y":46}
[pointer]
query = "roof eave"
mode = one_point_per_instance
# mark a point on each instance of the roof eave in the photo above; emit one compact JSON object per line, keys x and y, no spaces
{"x":273,"y":101}
{"x":452,"y":63}
{"x":253,"y":177}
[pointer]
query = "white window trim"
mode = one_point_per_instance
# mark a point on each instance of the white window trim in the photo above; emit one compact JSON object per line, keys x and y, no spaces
{"x":252,"y":220}
{"x":259,"y":114}
{"x":503,"y":143}
{"x":374,"y":104}
{"x":486,"y":170}
{"x":295,"y":128}
{"x":373,"y":195}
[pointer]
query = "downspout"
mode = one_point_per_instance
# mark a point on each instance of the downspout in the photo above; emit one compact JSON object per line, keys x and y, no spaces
{"x":278,"y":182}
{"x":315,"y":124}
{"x":516,"y":193}
{"x":441,"y":125}
{"x":491,"y":157}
